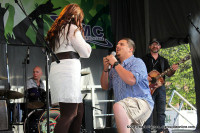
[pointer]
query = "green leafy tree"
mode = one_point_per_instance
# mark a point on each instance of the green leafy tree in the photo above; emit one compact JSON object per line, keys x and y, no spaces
{"x":182,"y":81}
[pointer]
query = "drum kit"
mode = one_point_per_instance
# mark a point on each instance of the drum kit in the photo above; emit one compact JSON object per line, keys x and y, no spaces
{"x":36,"y":119}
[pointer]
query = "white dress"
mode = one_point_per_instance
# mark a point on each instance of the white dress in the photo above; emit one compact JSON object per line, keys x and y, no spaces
{"x":65,"y":77}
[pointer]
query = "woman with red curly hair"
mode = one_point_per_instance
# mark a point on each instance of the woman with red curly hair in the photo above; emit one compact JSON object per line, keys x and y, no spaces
{"x":66,"y":39}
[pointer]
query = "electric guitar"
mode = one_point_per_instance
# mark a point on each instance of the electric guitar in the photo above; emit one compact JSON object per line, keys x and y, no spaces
{"x":157,"y":78}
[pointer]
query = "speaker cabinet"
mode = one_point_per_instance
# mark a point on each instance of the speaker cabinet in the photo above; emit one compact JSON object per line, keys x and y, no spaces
{"x":3,"y":115}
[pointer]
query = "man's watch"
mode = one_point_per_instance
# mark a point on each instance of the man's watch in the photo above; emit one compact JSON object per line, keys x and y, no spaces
{"x":115,"y":64}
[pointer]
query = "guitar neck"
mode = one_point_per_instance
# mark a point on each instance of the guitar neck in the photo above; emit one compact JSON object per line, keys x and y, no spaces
{"x":164,"y":73}
{"x":169,"y":69}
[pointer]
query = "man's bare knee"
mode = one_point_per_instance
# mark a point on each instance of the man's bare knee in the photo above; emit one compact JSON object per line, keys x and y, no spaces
{"x":116,"y":107}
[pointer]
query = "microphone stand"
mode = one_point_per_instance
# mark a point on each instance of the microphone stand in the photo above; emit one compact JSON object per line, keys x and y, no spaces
{"x":48,"y":50}
{"x":8,"y":87}
{"x":25,"y":90}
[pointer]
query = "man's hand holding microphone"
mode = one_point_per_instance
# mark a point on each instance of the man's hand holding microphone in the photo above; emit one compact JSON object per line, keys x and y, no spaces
{"x":108,"y":61}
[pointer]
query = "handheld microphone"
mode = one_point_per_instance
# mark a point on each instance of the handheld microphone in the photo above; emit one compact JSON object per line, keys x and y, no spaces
{"x":28,"y":58}
{"x":114,"y":54}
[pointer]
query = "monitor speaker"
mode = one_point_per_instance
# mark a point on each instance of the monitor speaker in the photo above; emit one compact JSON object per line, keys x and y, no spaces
{"x":3,"y":115}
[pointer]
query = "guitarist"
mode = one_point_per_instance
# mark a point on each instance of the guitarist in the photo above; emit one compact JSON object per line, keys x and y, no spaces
{"x":154,"y":61}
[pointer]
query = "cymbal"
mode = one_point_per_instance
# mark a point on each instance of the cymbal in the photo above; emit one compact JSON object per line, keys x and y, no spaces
{"x":3,"y":78}
{"x":11,"y":94}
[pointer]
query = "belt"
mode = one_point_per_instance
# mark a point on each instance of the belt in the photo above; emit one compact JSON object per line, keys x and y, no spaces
{"x":67,"y":55}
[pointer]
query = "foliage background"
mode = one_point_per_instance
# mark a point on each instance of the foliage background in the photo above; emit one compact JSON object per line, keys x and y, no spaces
{"x":182,"y":81}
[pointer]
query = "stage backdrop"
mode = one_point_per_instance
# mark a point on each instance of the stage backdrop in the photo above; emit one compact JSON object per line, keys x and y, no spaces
{"x":16,"y":27}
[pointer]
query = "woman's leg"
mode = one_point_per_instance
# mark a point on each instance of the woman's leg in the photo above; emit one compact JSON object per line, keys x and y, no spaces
{"x":68,"y":111}
{"x":77,"y":121}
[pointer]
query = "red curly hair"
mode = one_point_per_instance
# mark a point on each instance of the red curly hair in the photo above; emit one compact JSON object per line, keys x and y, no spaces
{"x":71,"y":14}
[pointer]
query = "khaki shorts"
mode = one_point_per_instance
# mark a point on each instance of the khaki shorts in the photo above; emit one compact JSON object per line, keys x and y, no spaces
{"x":138,"y":110}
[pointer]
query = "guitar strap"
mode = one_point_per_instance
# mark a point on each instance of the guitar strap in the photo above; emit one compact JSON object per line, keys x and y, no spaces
{"x":162,"y":63}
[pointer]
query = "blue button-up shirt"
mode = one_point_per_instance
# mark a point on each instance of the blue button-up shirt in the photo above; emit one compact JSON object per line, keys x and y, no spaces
{"x":139,"y":90}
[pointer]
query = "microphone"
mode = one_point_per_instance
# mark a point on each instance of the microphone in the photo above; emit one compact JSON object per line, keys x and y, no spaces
{"x":114,"y":54}
{"x":28,"y":58}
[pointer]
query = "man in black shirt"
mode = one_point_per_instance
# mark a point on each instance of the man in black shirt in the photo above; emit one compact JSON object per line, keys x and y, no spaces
{"x":157,"y":64}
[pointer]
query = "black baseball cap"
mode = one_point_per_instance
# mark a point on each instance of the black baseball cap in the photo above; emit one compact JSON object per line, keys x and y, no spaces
{"x":154,"y":40}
